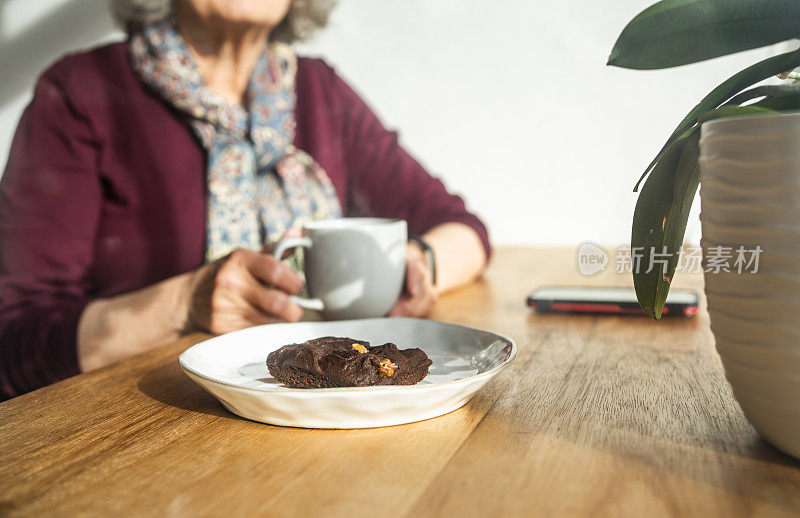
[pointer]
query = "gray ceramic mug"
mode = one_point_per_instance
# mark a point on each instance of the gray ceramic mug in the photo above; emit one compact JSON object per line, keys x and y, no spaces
{"x":355,"y":267}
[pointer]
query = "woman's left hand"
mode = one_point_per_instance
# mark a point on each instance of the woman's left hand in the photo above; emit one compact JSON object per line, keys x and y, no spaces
{"x":420,"y":296}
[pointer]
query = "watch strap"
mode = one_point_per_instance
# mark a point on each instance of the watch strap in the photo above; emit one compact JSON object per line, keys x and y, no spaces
{"x":429,"y":254}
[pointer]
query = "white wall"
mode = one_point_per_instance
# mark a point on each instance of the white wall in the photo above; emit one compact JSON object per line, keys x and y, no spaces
{"x":509,"y":101}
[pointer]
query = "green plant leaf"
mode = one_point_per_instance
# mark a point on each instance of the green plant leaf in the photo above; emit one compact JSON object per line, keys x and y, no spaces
{"x":659,"y":222}
{"x":770,"y":91}
{"x":780,"y":103}
{"x":677,"y":32}
{"x":662,"y":211}
{"x":733,"y":111}
{"x":727,"y":89}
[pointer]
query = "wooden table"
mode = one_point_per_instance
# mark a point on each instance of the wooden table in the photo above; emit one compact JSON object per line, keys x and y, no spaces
{"x":597,"y":416}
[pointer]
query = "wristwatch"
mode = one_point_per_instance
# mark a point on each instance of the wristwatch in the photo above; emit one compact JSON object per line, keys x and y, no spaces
{"x":428,"y":251}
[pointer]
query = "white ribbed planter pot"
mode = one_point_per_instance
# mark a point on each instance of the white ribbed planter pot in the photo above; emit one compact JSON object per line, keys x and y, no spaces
{"x":750,"y":196}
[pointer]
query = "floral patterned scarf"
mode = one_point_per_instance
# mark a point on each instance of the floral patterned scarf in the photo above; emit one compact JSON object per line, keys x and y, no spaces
{"x":258,"y":184}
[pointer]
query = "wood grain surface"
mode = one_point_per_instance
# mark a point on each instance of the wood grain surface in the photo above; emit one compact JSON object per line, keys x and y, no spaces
{"x":598,"y":416}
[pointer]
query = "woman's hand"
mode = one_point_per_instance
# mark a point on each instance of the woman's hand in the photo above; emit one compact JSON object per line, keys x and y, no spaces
{"x":243,"y":289}
{"x":420,"y":295}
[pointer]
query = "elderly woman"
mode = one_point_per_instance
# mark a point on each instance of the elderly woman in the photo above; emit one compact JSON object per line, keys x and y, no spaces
{"x":146,"y":178}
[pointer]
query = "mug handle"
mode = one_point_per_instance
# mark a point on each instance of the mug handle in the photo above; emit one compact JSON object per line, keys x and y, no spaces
{"x":294,"y":242}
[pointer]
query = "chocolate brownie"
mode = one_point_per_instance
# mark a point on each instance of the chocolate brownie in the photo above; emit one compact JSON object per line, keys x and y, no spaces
{"x":345,"y":362}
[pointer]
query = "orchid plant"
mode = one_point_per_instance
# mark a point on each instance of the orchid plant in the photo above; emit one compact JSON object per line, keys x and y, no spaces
{"x":678,"y":32}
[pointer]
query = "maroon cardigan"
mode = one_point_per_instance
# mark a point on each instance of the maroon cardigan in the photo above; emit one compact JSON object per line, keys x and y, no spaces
{"x":104,"y":193}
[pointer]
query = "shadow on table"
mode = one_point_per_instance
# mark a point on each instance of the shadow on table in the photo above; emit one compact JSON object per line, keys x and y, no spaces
{"x":168,"y":385}
{"x":648,"y":408}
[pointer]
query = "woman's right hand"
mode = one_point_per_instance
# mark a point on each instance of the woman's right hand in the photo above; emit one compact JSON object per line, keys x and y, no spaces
{"x":243,"y":289}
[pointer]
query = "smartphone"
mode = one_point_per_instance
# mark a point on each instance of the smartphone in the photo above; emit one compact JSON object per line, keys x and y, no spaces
{"x":619,"y":301}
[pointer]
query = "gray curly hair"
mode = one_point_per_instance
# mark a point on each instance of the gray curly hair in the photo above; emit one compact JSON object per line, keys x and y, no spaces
{"x":304,"y":16}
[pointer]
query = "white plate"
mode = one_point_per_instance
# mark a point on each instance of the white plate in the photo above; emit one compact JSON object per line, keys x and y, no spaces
{"x":232,"y":367}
